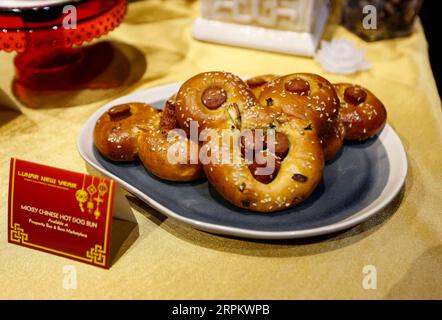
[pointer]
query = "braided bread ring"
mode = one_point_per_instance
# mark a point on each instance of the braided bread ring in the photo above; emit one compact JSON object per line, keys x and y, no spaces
{"x":310,"y":97}
{"x":159,"y":139}
{"x":299,"y":173}
{"x":361,"y":112}
{"x":137,"y":130}
{"x":196,"y":102}
{"x":301,"y":169}
{"x":117,"y":131}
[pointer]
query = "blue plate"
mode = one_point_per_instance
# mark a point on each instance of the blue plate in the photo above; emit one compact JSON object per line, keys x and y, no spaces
{"x":360,"y":181}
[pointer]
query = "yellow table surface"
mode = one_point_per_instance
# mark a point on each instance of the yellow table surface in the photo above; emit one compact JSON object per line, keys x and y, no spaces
{"x":172,"y":260}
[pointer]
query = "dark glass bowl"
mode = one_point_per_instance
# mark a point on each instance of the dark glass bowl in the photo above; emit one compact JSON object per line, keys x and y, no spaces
{"x":394,"y":18}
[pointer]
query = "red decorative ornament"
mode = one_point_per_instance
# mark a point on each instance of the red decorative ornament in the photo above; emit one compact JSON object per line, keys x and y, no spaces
{"x":47,"y":34}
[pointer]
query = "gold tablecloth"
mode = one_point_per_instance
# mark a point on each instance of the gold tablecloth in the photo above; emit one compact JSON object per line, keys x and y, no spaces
{"x":172,"y":260}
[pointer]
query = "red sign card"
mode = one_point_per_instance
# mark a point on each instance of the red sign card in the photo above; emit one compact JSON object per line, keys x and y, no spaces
{"x":61,"y":212}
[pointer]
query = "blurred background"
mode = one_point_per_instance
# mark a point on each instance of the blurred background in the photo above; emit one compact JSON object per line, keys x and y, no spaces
{"x":431,"y":21}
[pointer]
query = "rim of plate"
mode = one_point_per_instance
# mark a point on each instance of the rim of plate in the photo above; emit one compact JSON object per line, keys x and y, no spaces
{"x":388,"y":137}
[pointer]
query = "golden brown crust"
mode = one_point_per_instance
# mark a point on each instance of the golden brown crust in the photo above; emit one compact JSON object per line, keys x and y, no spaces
{"x":332,"y":141}
{"x":239,"y":103}
{"x":310,"y":97}
{"x":306,"y":117}
{"x":168,"y":117}
{"x":126,"y":132}
{"x":232,"y":106}
{"x":362,"y":113}
{"x":257,"y":84}
{"x":166,"y":151}
{"x":116,"y":132}
{"x":155,"y":148}
{"x":298,"y":175}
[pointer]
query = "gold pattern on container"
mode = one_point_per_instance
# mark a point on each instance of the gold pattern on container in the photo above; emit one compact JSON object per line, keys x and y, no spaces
{"x":102,"y":190}
{"x":96,"y":255}
{"x":18,"y":234}
{"x":92,"y":190}
{"x":81,"y":195}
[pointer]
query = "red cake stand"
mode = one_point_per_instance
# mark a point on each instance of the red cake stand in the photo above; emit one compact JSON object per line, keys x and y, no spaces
{"x":48,"y":42}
